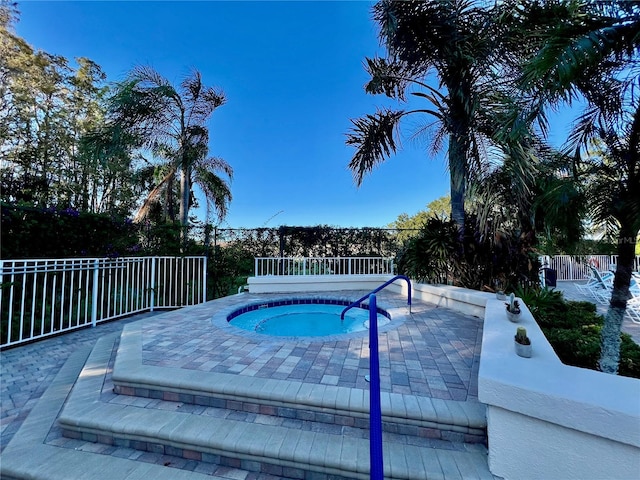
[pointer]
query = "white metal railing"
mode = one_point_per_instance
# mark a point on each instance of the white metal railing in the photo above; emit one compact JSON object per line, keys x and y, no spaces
{"x":567,"y":267}
{"x":323,"y":266}
{"x":570,"y":267}
{"x":39,"y":298}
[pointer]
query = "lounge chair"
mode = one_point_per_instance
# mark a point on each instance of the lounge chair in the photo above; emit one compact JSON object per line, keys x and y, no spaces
{"x":598,"y":285}
{"x":604,"y":296}
{"x":633,"y":309}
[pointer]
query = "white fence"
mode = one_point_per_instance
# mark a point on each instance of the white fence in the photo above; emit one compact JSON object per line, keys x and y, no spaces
{"x":323,"y":266}
{"x":570,"y":267}
{"x":567,"y":267}
{"x":39,"y":298}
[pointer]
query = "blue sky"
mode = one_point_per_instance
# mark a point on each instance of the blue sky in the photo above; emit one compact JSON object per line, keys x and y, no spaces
{"x":293,"y":76}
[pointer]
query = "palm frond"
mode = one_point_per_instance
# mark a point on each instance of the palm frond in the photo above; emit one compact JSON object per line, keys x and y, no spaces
{"x":584,"y":40}
{"x":200,"y":101}
{"x":374,"y":137}
{"x":584,"y":129}
{"x":456,"y":31}
{"x":561,"y":207}
{"x":385,"y":16}
{"x":429,"y":134}
{"x":148,"y":76}
{"x":436,"y":98}
{"x":215,"y":189}
{"x":217,"y":164}
{"x":192,"y":86}
{"x":386,"y":78}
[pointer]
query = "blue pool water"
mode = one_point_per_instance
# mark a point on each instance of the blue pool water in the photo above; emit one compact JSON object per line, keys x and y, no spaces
{"x":308,"y":320}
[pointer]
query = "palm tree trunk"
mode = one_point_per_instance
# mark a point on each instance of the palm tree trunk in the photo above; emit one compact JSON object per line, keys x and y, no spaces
{"x":185,"y":195}
{"x":458,"y":176}
{"x":610,"y":336}
{"x":169,"y":204}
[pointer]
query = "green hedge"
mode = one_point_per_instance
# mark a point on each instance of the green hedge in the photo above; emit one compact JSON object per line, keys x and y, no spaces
{"x":29,"y":232}
{"x":573,"y":330}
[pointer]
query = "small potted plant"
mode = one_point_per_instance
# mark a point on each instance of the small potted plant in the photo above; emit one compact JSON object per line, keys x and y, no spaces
{"x":522,"y":343}
{"x":499,"y":291}
{"x":513,"y":309}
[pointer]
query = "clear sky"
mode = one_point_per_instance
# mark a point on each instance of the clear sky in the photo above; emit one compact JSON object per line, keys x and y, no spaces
{"x":293,"y":76}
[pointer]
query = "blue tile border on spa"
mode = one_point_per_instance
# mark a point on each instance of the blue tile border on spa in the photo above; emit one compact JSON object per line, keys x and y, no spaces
{"x":220,"y":319}
{"x":301,"y":301}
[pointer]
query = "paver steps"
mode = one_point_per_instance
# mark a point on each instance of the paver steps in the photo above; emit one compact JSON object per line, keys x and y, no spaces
{"x":402,"y":414}
{"x":30,"y":456}
{"x":431,"y":418}
{"x":328,"y":448}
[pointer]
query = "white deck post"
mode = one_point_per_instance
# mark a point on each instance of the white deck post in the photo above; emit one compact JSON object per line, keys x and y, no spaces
{"x":204,"y":279}
{"x":153,"y":283}
{"x":94,"y":294}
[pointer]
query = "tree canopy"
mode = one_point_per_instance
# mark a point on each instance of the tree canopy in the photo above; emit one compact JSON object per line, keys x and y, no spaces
{"x":70,"y":139}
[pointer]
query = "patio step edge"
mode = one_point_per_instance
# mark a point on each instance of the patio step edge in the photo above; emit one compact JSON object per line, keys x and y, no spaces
{"x":131,"y":377}
{"x":255,"y":446}
{"x":27,"y":456}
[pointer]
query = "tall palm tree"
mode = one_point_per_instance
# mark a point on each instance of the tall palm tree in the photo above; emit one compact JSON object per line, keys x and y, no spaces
{"x":454,"y":40}
{"x":591,"y":50}
{"x":170,"y":122}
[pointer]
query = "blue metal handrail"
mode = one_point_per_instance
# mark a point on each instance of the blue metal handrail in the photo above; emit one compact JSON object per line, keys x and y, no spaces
{"x":376,"y":463}
{"x":397,"y":277}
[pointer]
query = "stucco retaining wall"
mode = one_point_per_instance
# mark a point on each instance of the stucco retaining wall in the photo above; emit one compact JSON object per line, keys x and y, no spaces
{"x":314,"y":283}
{"x":547,"y":420}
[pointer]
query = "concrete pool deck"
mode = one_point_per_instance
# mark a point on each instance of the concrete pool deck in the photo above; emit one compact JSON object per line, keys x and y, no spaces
{"x":433,"y":353}
{"x":181,"y":341}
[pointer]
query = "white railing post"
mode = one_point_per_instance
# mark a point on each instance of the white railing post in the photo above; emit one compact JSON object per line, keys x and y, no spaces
{"x":204,"y":279}
{"x":571,"y":268}
{"x":22,"y":301}
{"x":256,"y":267}
{"x":153,"y":284}
{"x":94,"y":294}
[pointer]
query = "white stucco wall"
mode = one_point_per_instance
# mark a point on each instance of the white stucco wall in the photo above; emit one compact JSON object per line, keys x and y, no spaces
{"x":463,"y":300}
{"x":547,"y":420}
{"x":527,"y":448}
{"x":314,"y":283}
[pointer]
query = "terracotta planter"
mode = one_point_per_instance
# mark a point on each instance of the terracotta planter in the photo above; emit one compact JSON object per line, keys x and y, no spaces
{"x":523,"y":350}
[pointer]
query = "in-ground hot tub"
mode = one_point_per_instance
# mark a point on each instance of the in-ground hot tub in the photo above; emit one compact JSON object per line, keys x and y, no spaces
{"x":311,"y":317}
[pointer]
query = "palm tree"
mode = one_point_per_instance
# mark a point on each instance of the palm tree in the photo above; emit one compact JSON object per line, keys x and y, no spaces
{"x":201,"y":172}
{"x":170,"y":122}
{"x":590,"y":50}
{"x":456,"y":41}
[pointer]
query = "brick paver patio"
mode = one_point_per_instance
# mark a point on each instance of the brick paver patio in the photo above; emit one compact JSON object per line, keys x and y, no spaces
{"x":434,"y":352}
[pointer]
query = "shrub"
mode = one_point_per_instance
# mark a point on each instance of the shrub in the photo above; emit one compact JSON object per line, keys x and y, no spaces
{"x":573,"y":330}
{"x":546,"y":305}
{"x":579,"y":347}
{"x":29,"y":232}
{"x":431,"y":256}
{"x":437,"y":255}
{"x":629,"y":357}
